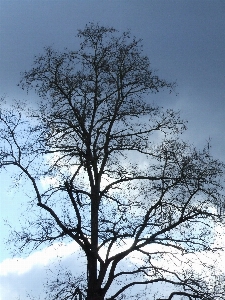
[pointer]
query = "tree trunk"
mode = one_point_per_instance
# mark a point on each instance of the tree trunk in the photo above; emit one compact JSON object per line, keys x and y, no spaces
{"x":96,"y":296}
{"x":94,"y":290}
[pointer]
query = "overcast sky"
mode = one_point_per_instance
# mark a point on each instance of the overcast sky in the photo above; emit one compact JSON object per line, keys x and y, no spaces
{"x":184,"y":39}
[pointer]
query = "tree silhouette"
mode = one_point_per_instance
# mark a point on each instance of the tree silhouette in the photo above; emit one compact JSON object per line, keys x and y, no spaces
{"x":123,"y":184}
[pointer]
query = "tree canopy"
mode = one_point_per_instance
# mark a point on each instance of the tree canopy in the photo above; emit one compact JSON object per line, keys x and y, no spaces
{"x":123,"y":184}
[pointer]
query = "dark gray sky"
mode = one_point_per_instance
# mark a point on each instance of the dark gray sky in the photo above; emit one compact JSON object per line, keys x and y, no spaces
{"x":184,"y":39}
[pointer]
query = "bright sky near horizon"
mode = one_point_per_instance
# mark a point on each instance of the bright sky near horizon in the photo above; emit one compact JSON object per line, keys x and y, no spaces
{"x":185,"y":41}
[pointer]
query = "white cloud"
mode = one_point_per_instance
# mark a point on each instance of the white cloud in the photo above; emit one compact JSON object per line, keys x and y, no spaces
{"x":48,"y":181}
{"x":21,"y":275}
{"x":41,"y":258}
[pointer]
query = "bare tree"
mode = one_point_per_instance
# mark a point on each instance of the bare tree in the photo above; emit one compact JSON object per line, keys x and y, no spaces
{"x":122,"y":182}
